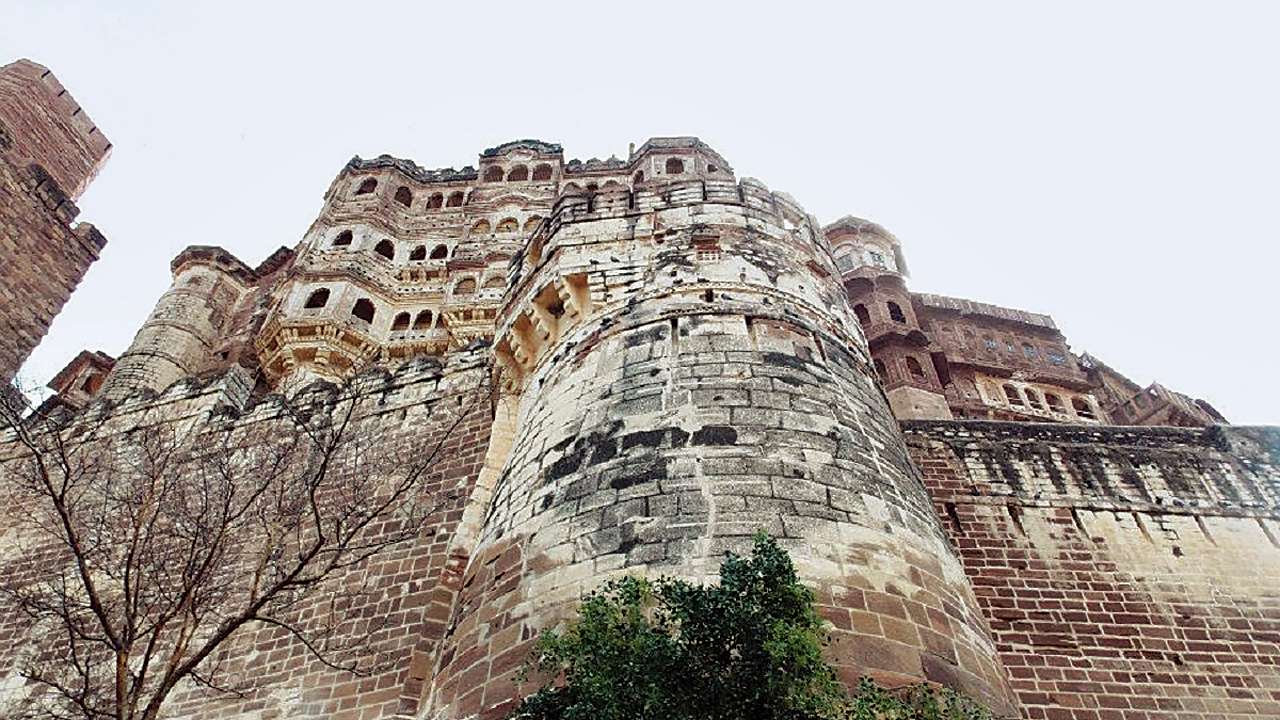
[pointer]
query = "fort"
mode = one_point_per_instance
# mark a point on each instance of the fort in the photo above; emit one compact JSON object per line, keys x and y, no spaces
{"x":677,"y":357}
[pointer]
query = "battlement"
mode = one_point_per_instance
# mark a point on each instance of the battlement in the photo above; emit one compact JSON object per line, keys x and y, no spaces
{"x":44,"y":125}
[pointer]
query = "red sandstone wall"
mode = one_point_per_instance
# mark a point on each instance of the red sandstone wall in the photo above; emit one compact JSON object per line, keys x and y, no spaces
{"x":411,"y":590}
{"x":1126,"y":574}
{"x":45,"y":125}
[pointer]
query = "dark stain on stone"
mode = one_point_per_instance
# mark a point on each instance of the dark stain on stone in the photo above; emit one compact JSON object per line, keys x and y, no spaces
{"x":715,"y":435}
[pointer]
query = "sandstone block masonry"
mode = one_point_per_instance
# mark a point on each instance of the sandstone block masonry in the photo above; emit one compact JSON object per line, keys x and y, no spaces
{"x":1126,"y":573}
{"x":49,"y":151}
{"x":679,"y":357}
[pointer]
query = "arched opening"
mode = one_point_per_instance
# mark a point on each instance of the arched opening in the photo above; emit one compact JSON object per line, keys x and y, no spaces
{"x":403,"y":196}
{"x":882,"y":372}
{"x":508,"y":225}
{"x":493,"y":173}
{"x":1029,"y":352}
{"x":638,"y":177}
{"x":386,"y":249}
{"x":317,"y":299}
{"x":92,"y":383}
{"x":481,"y":227}
{"x":915,"y":368}
{"x":1033,"y":399}
{"x":593,"y":188}
{"x":419,"y":253}
{"x":363,"y":309}
{"x":712,"y":169}
{"x":423,"y":321}
{"x":497,"y":282}
{"x":344,"y":238}
{"x":1012,"y":395}
{"x":895,"y":312}
{"x":571,"y":189}
{"x":1054,"y":402}
{"x":466,"y":286}
{"x":455,"y":199}
{"x":367,"y":186}
{"x":401,"y":322}
{"x":519,"y":173}
{"x":864,"y":315}
{"x":439,"y":252}
{"x":542,"y":172}
{"x":675,"y":166}
{"x":532,"y":223}
{"x":1082,"y":407}
{"x":435,"y":201}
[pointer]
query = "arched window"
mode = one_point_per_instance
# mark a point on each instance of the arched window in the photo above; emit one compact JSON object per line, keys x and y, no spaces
{"x":363,"y":309}
{"x":1012,"y":395}
{"x":317,"y":299}
{"x":1033,"y":399}
{"x":1082,"y":407}
{"x":419,"y":253}
{"x":895,"y":312}
{"x":864,"y":316}
{"x":881,"y":371}
{"x":519,"y":173}
{"x":455,"y":199}
{"x":913,"y":367}
{"x":712,"y":168}
{"x":675,"y":166}
{"x":532,"y":223}
{"x":466,"y":286}
{"x":1029,"y":351}
{"x":493,"y":173}
{"x":403,"y":196}
{"x":435,"y":201}
{"x":423,"y":321}
{"x":386,"y":249}
{"x":495,"y":282}
{"x":1054,"y":402}
{"x":344,"y":238}
{"x":481,"y":228}
{"x":439,"y":252}
{"x":368,"y":186}
{"x":542,"y":172}
{"x":401,"y":322}
{"x":638,"y":177}
{"x":508,"y":225}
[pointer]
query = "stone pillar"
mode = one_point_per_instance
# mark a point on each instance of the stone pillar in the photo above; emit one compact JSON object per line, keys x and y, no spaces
{"x":701,"y":383}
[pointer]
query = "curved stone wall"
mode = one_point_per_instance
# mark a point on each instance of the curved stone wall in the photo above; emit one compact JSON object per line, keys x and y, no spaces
{"x":689,"y":372}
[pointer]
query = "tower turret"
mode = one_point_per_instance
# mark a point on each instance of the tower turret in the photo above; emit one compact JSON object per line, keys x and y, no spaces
{"x":180,"y":337}
{"x":874,"y":271}
{"x":686,"y":371}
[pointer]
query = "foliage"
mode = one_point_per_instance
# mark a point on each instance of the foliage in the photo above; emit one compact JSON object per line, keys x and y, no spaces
{"x":749,"y":647}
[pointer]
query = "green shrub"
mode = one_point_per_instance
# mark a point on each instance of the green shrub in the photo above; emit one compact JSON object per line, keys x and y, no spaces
{"x":749,"y":647}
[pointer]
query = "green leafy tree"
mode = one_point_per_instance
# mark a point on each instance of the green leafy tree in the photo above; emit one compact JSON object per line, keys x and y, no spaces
{"x":749,"y":647}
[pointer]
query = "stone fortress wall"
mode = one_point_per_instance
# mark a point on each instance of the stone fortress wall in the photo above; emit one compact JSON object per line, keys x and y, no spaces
{"x":49,"y":151}
{"x":1126,"y":572}
{"x":678,"y":358}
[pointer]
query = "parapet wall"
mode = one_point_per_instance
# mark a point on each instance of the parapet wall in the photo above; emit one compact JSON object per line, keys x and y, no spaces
{"x":1126,"y":572}
{"x":47,"y":127}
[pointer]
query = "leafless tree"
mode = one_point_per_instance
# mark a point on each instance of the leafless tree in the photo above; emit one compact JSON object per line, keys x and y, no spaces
{"x":137,"y":555}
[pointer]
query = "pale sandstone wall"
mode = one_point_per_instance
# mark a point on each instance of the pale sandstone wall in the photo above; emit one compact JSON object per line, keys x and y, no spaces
{"x":1126,"y":573}
{"x":688,"y":373}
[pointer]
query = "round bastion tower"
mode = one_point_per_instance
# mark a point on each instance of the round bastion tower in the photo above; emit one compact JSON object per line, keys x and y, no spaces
{"x":179,"y":337}
{"x":687,"y":370}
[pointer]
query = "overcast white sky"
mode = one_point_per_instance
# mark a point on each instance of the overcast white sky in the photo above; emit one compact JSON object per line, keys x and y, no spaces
{"x":1113,"y":164}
